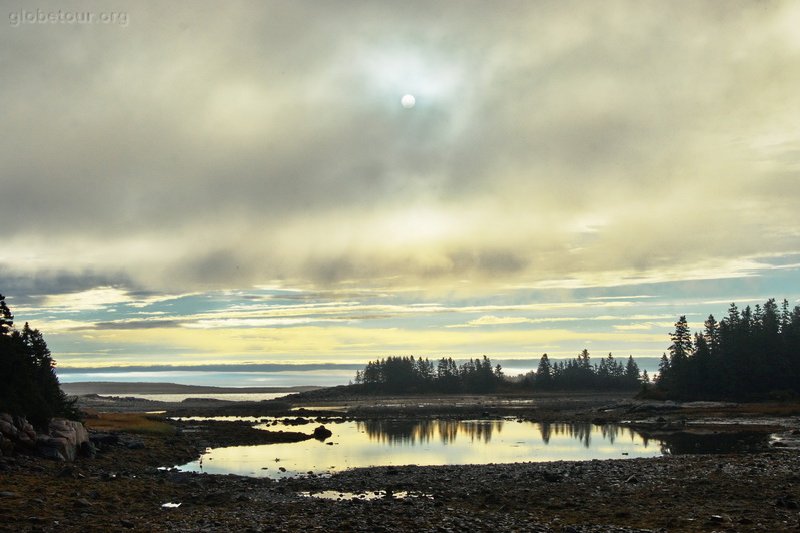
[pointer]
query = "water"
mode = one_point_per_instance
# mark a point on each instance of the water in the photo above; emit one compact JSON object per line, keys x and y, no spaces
{"x":225,"y":378}
{"x":364,"y":496}
{"x":428,"y":442}
{"x":230,"y":397}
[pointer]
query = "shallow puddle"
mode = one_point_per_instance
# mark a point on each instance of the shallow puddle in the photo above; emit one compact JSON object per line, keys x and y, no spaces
{"x":364,"y":496}
{"x":426,"y":442}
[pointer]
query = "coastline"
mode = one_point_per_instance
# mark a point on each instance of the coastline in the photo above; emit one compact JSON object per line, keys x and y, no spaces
{"x":123,"y":488}
{"x":80,"y":388}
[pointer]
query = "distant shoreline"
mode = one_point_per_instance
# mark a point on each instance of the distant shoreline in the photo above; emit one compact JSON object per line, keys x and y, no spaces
{"x":131,"y":388}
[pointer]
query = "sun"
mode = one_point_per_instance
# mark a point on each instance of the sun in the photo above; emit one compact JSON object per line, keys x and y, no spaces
{"x":411,"y":76}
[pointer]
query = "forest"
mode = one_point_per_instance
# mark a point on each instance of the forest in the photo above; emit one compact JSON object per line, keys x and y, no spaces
{"x":414,"y":375}
{"x":752,"y":354}
{"x":28,"y":382}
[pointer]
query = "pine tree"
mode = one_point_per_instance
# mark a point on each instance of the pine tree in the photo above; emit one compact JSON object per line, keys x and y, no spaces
{"x":681,"y":345}
{"x":631,"y":372}
{"x":711,"y":334}
{"x":6,"y":318}
{"x":664,"y":371}
{"x":28,"y":382}
{"x":544,"y":373}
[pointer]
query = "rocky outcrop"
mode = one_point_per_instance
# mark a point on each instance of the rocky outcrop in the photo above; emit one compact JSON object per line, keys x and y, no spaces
{"x":63,"y":441}
{"x":15,"y":433}
{"x":322,"y":433}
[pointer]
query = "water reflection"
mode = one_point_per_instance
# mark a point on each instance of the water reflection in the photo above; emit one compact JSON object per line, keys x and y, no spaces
{"x":411,"y":432}
{"x":427,"y":442}
{"x":421,"y":431}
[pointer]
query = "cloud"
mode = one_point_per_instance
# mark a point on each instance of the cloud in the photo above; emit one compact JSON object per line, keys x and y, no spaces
{"x":557,"y":152}
{"x":289,"y":157}
{"x":131,"y":324}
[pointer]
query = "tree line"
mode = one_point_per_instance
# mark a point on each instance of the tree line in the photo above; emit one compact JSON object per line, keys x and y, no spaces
{"x":28,"y":382}
{"x":581,"y":374}
{"x":748,"y":355}
{"x":402,"y":374}
{"x":407,"y":374}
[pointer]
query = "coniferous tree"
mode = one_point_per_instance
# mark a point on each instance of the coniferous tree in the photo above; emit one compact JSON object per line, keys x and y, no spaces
{"x":29,"y":383}
{"x":752,"y":354}
{"x":6,"y":318}
{"x":632,"y":376}
{"x":711,"y":334}
{"x":544,"y":373}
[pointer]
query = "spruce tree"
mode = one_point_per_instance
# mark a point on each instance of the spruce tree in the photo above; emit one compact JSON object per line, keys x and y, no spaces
{"x":544,"y":373}
{"x":27,"y":374}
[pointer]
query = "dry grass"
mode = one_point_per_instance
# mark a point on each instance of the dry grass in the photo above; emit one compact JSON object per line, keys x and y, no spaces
{"x":130,"y":422}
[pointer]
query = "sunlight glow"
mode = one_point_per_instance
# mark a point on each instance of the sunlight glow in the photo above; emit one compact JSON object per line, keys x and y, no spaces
{"x":412,"y":72}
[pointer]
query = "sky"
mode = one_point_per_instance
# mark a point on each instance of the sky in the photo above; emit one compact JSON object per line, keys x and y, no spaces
{"x":202,"y":183}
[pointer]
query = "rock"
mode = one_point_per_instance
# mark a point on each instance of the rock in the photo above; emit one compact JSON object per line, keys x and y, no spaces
{"x":27,"y":430}
{"x":322,"y":433}
{"x":87,"y":449}
{"x":103,"y":439}
{"x":6,"y":446}
{"x":52,"y":447}
{"x":71,"y":430}
{"x":67,"y":471}
{"x":7,"y":494}
{"x":552,"y":477}
{"x":63,"y":441}
{"x":135,"y":445}
{"x":632,"y":479}
{"x":7,"y":429}
{"x":82,"y":503}
{"x":786,"y":502}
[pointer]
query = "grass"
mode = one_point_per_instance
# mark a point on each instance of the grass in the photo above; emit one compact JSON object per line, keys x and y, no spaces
{"x":129,"y":422}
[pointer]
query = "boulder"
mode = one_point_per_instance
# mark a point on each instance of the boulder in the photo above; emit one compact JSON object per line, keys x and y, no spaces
{"x":8,"y":429}
{"x":71,"y":430}
{"x":104,"y":439}
{"x":6,"y":446}
{"x":66,"y":438}
{"x":322,"y":433}
{"x":52,"y":447}
{"x":62,"y":441}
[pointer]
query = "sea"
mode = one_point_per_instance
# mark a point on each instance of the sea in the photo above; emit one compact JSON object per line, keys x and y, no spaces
{"x":248,"y":376}
{"x":245,"y":378}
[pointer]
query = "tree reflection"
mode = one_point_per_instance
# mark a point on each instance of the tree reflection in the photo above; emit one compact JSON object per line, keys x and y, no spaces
{"x":447,"y":431}
{"x":422,"y":431}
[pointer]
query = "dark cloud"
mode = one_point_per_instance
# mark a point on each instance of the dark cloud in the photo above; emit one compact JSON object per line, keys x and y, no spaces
{"x":199,"y":149}
{"x":131,"y":324}
{"x":24,"y":288}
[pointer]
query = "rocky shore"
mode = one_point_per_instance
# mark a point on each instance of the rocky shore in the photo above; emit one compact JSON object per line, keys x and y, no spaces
{"x":122,"y":488}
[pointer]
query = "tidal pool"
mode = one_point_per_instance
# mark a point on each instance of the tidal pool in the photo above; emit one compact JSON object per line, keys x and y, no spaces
{"x":426,"y":442}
